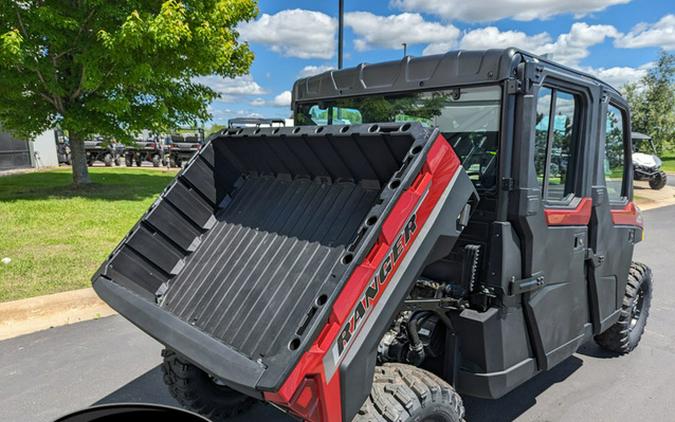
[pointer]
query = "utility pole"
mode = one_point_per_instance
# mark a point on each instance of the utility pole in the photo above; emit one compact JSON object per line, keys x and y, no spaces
{"x":341,"y":25}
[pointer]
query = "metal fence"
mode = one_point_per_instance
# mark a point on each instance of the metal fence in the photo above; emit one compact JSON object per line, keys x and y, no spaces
{"x":14,"y":153}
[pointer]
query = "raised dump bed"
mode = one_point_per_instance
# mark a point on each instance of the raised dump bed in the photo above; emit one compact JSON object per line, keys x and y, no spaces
{"x":237,"y":264}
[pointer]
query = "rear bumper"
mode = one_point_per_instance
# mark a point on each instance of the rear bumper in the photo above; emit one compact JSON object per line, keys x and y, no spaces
{"x":214,"y":357}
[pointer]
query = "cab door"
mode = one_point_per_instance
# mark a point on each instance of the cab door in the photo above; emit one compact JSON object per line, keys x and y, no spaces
{"x":614,"y":226}
{"x":553,"y":212}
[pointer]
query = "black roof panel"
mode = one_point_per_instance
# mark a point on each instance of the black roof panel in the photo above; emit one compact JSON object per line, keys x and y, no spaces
{"x":454,"y":68}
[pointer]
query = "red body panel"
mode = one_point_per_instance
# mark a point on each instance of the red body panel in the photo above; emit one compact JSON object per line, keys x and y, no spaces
{"x":628,"y":215}
{"x":307,"y":392}
{"x":579,"y":216}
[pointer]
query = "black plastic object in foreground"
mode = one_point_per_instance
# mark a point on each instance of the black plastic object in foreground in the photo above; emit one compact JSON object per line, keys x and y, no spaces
{"x":130,"y":412}
{"x":237,"y":263}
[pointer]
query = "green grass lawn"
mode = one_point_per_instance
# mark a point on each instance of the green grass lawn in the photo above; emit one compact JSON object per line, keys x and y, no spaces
{"x":668,"y":163}
{"x":57,"y":236}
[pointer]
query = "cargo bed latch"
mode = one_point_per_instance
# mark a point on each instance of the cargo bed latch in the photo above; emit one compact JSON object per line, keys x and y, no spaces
{"x":526,"y":284}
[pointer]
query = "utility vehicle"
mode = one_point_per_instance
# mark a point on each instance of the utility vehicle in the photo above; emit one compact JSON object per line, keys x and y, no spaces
{"x":471,"y":229}
{"x":105,"y":150}
{"x":141,"y":150}
{"x":241,"y":122}
{"x":647,"y":165}
{"x":62,"y":147}
{"x":183,"y":145}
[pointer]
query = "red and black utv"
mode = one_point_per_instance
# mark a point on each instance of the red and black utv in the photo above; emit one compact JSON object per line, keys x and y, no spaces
{"x":470,"y":227}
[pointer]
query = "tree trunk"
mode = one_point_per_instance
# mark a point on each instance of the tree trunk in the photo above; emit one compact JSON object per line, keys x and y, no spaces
{"x":79,"y":160}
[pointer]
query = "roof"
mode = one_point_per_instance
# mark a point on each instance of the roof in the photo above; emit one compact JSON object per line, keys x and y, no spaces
{"x":454,"y":68}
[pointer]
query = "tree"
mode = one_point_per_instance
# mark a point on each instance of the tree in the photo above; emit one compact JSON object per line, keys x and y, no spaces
{"x":214,"y":128}
{"x":652,"y":102}
{"x":112,"y":68}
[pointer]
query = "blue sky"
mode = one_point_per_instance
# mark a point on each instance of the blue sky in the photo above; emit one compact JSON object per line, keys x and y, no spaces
{"x":615,"y":39}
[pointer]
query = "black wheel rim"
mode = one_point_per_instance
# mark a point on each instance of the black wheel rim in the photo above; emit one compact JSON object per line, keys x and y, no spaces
{"x":636,"y":310}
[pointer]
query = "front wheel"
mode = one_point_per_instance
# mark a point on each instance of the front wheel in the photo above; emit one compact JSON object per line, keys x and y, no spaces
{"x":195,"y":390}
{"x":108,"y":160}
{"x":625,"y":334}
{"x":406,"y":393}
{"x":658,"y":181}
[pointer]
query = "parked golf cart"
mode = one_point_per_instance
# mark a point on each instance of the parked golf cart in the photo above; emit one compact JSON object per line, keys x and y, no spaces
{"x":62,"y":148}
{"x":105,"y":150}
{"x":647,"y":166}
{"x":445,"y":242}
{"x":150,"y":150}
{"x":183,"y":145}
{"x":242,"y":122}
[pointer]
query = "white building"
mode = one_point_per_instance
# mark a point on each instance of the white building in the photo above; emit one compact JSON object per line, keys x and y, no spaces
{"x":18,"y":153}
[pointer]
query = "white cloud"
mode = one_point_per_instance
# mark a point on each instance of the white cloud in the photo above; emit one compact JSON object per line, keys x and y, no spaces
{"x":620,"y":75}
{"x":572,"y":47}
{"x":568,"y":48}
{"x":483,"y":11}
{"x":231,"y":88}
{"x":492,"y":37}
{"x":295,"y":33}
{"x":313,"y":70}
{"x":373,"y":31}
{"x":283,"y":99}
{"x":660,"y":34}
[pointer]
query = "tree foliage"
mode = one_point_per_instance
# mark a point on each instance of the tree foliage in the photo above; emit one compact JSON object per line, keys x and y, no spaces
{"x":115,"y":67}
{"x":652,"y":102}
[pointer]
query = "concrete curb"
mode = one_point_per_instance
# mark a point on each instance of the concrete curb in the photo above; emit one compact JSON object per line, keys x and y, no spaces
{"x":40,"y":313}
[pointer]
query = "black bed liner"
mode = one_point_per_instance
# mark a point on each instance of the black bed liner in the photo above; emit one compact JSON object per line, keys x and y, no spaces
{"x":290,"y":232}
{"x":236,"y":265}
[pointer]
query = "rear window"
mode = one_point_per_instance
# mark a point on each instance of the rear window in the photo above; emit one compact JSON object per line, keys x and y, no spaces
{"x":469,"y":119}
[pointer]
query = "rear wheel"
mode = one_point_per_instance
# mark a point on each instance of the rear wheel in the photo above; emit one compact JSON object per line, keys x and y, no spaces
{"x":405,"y":393}
{"x":195,"y":390}
{"x":625,"y":334}
{"x":659,"y":181}
{"x":128,"y":161}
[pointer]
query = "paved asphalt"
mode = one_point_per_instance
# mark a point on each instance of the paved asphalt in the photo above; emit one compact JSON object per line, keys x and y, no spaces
{"x":47,"y":374}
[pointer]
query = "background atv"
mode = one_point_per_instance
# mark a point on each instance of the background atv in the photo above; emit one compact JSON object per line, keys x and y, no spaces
{"x":62,"y":147}
{"x":241,"y":122}
{"x":181,"y":146}
{"x":105,"y":150}
{"x":151,"y":150}
{"x":464,"y":235}
{"x":647,"y":166}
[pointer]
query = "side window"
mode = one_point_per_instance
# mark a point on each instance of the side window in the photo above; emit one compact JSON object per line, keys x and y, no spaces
{"x":541,"y":133}
{"x":561,"y":147}
{"x":614,"y":160}
{"x":555,"y":141}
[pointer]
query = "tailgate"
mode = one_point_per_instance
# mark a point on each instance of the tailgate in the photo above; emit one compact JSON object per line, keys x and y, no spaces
{"x":238,"y":263}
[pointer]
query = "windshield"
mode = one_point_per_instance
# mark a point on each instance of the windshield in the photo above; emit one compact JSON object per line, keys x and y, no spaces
{"x":467,"y":117}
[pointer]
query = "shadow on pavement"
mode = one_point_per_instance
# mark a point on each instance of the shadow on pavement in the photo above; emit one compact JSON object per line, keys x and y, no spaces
{"x":522,"y":398}
{"x":149,"y":388}
{"x":591,"y":349}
